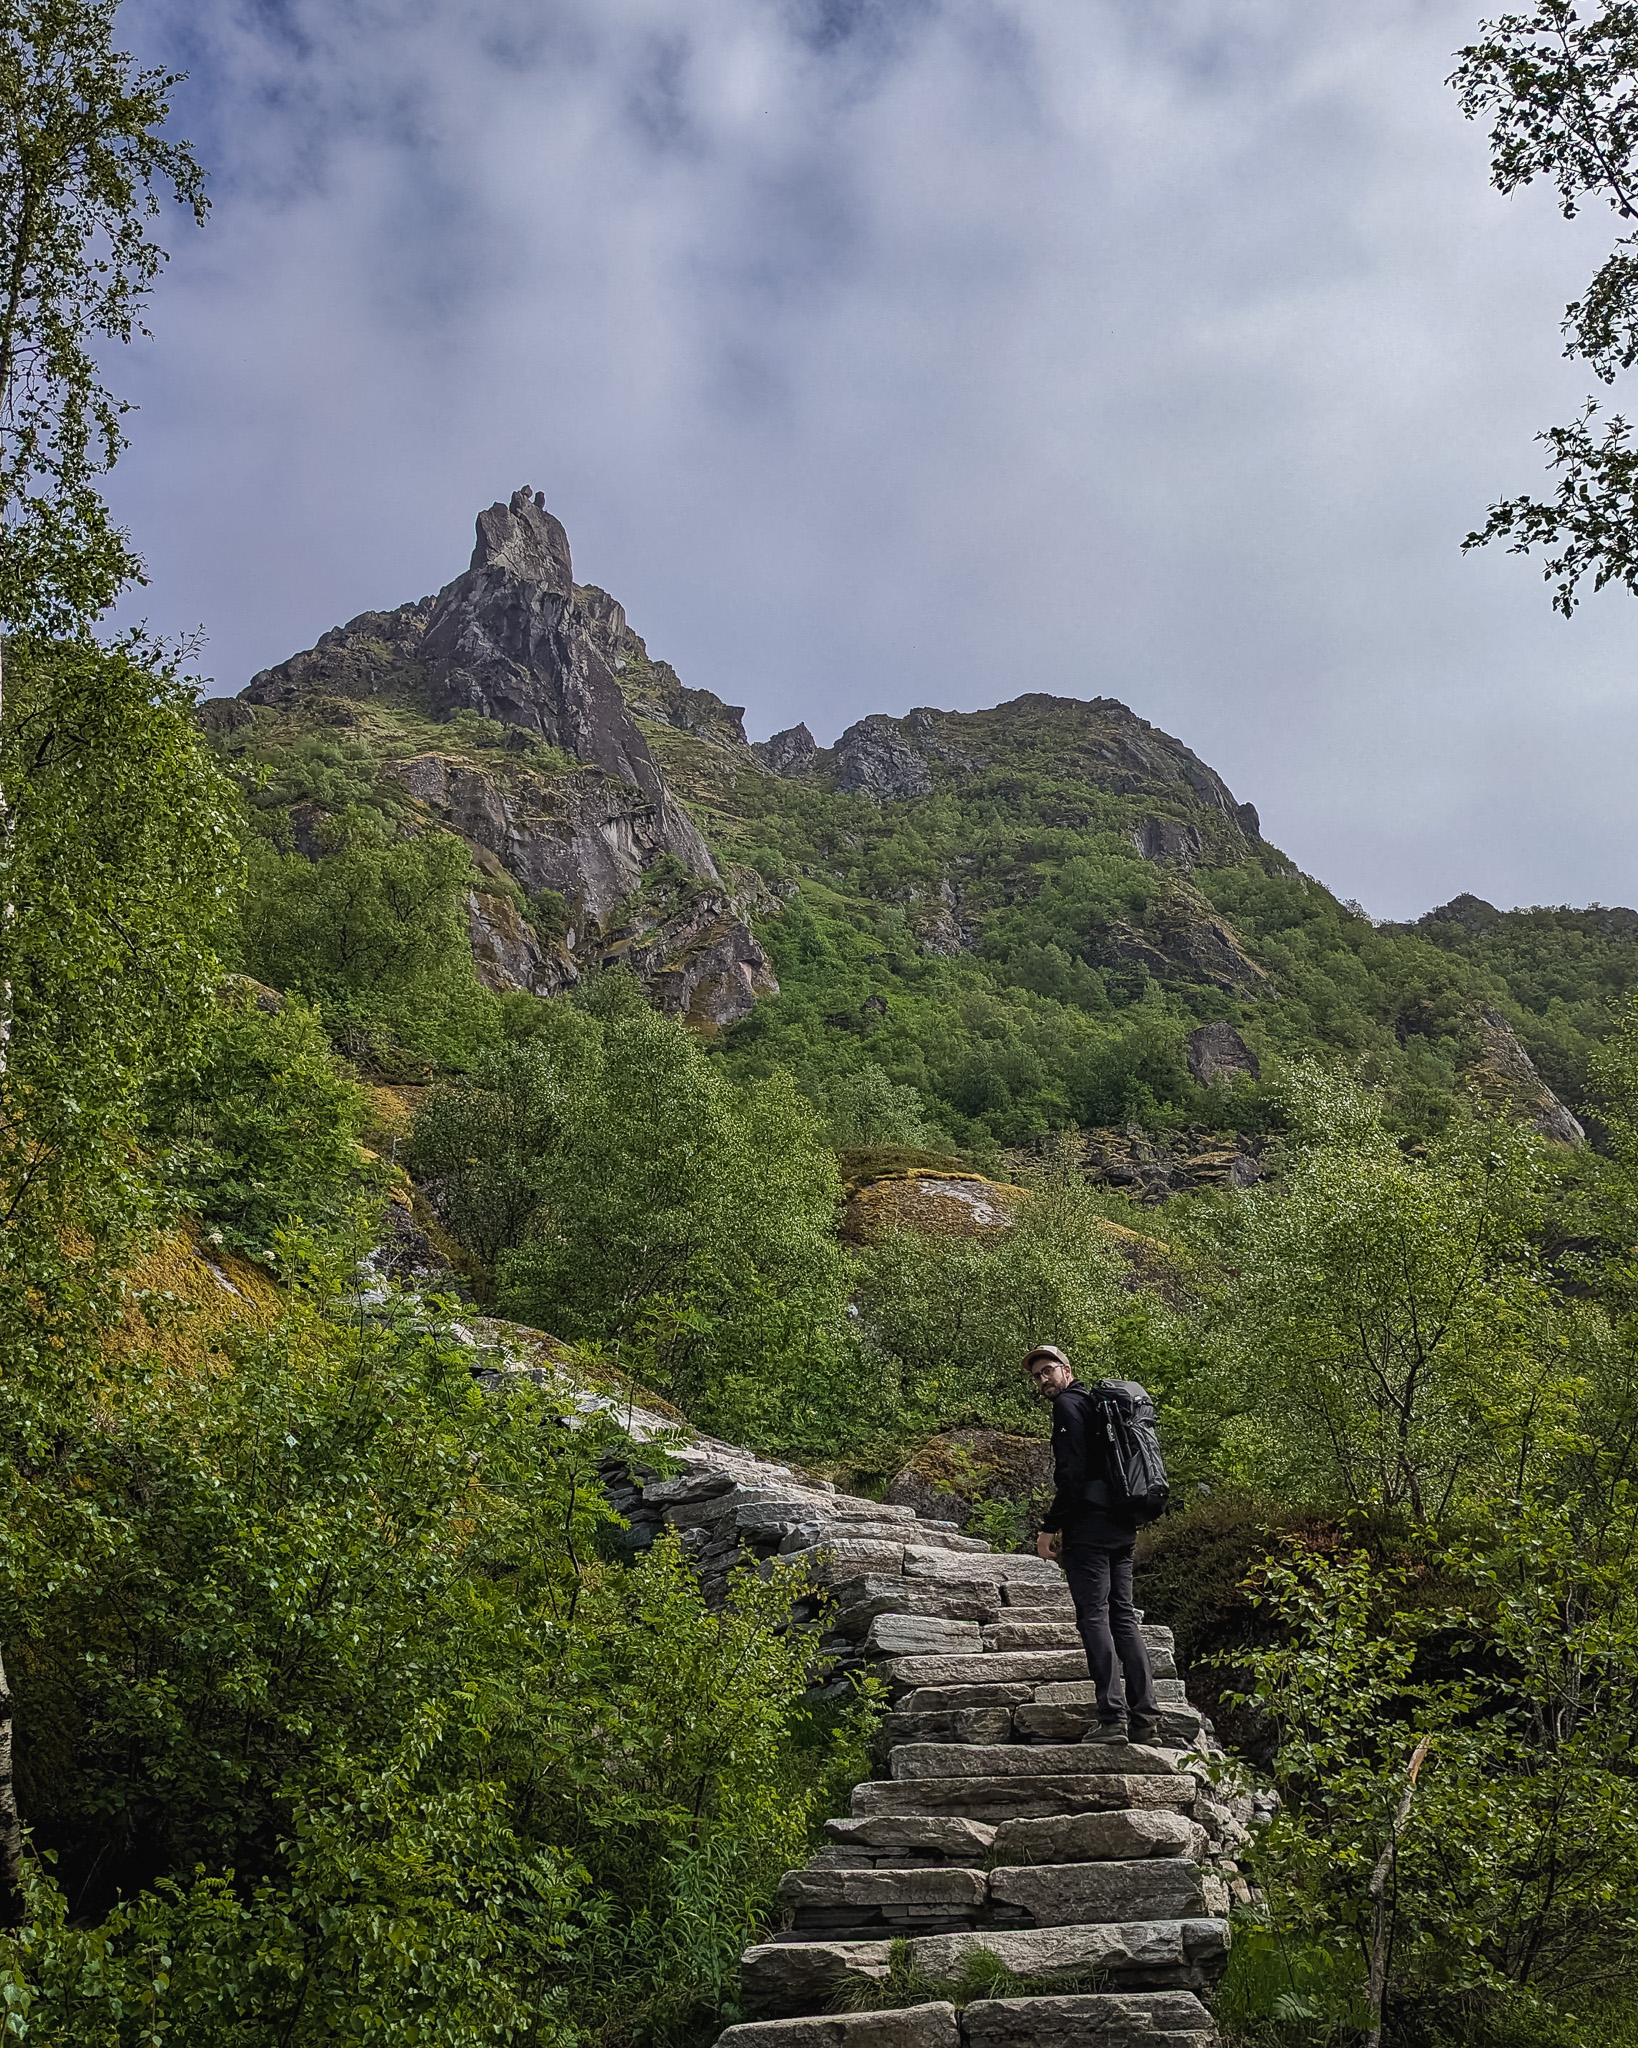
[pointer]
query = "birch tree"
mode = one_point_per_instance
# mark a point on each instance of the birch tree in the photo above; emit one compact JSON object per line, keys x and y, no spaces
{"x":83,"y":168}
{"x":82,"y":175}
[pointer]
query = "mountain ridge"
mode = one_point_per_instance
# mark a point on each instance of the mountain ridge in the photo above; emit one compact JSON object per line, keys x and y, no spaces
{"x":1022,"y":912}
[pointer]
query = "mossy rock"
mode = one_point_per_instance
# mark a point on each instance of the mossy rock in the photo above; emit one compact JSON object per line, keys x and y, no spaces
{"x":954,"y":1477}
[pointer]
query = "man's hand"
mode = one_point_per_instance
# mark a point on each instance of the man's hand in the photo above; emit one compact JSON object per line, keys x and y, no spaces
{"x":1048,"y":1544}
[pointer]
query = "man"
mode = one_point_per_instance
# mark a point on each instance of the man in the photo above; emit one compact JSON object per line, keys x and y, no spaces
{"x":1094,"y":1540}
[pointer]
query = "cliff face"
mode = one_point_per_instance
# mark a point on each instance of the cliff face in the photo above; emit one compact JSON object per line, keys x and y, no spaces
{"x":514,"y":643}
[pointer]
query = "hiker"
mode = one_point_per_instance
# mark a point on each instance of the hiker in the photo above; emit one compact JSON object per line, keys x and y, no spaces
{"x":1093,"y":1538}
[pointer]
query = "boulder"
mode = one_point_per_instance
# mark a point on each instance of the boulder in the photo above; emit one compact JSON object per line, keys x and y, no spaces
{"x":1216,"y":1053}
{"x":950,"y":1473}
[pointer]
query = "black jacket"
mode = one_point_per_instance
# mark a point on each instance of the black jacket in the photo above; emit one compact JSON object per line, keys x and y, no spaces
{"x":1080,"y":1502}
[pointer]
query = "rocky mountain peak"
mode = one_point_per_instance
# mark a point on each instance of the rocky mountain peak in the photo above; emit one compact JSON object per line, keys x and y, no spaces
{"x":523,"y":540}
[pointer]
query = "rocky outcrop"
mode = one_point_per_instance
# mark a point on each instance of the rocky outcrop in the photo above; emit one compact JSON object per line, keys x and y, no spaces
{"x":510,"y":641}
{"x":873,"y":758}
{"x":789,"y":753}
{"x":517,"y":642}
{"x":1470,"y":914}
{"x":653,"y":689}
{"x":507,"y":951}
{"x":1181,"y":938}
{"x":936,"y":1201}
{"x":583,"y":835}
{"x":376,"y":655}
{"x":1505,"y":1077}
{"x":952,"y":1473}
{"x":1168,"y":842}
{"x":1151,"y":1169}
{"x":1217,"y":1054}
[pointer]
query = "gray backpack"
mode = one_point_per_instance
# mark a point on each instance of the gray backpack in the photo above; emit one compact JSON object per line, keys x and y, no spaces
{"x":1124,"y":1417}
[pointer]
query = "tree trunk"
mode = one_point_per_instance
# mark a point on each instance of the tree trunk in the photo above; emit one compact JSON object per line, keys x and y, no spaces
{"x":11,"y":1826}
{"x":1377,"y":1984}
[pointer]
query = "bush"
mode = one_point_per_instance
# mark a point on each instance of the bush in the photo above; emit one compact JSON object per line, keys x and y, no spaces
{"x":374,"y":933}
{"x":341,"y":1731}
{"x":1457,"y":1841}
{"x":951,"y":1318}
{"x":627,"y":1193}
{"x":261,"y":1129}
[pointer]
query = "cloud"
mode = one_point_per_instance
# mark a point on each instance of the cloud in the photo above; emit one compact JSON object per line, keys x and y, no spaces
{"x":885,"y":352}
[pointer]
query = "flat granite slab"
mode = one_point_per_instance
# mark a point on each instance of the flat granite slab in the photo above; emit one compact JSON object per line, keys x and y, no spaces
{"x":923,"y":1833}
{"x":1021,"y":1798}
{"x":781,"y":1978}
{"x":913,"y":2026}
{"x":1064,"y":1894}
{"x":1123,"y":1835}
{"x":1011,"y":1667}
{"x":1024,"y":1760}
{"x":950,"y":1888}
{"x":1108,"y":2019}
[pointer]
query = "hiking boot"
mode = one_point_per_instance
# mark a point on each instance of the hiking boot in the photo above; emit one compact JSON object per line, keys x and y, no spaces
{"x":1106,"y":1731}
{"x":1144,"y":1728}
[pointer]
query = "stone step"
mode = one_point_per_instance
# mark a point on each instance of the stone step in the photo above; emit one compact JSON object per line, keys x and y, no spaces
{"x":1062,"y":1634}
{"x":1106,"y":2019}
{"x":859,"y":1600}
{"x":807,"y":1534}
{"x":1179,"y":1725}
{"x":1027,"y":1722}
{"x":832,"y":1899}
{"x":1169,"y":1691}
{"x":1099,"y":2019}
{"x":929,"y":1561}
{"x":1033,"y":1635}
{"x":1042,"y":1595}
{"x":784,"y":1978}
{"x":951,"y":1699}
{"x":889,"y":1901}
{"x":911,"y":2026}
{"x":1019,"y":1667}
{"x":828,"y":1564}
{"x":902,"y":1635}
{"x":966,"y":1724}
{"x":1069,"y":1894}
{"x":1019,"y":1760}
{"x":927,"y":1834}
{"x":1012,"y":1667}
{"x":1121,"y":1835}
{"x":1001,"y":1799}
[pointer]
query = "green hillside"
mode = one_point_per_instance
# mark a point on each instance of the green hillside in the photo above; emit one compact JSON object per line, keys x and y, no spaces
{"x":1020,"y":913}
{"x":1001,"y":943}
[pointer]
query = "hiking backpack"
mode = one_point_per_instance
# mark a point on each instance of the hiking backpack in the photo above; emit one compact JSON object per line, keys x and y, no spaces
{"x":1136,"y":1471}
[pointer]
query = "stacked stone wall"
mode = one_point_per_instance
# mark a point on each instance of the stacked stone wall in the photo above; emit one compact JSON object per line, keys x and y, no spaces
{"x":1101,"y":1877}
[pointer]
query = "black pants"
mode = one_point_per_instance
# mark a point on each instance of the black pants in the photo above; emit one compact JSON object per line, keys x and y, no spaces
{"x":1100,"y":1584}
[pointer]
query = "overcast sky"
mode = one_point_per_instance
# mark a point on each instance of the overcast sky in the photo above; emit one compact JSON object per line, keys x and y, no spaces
{"x":891,"y":352}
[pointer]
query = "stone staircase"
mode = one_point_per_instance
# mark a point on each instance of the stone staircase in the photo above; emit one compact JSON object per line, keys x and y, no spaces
{"x":1099,"y":1878}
